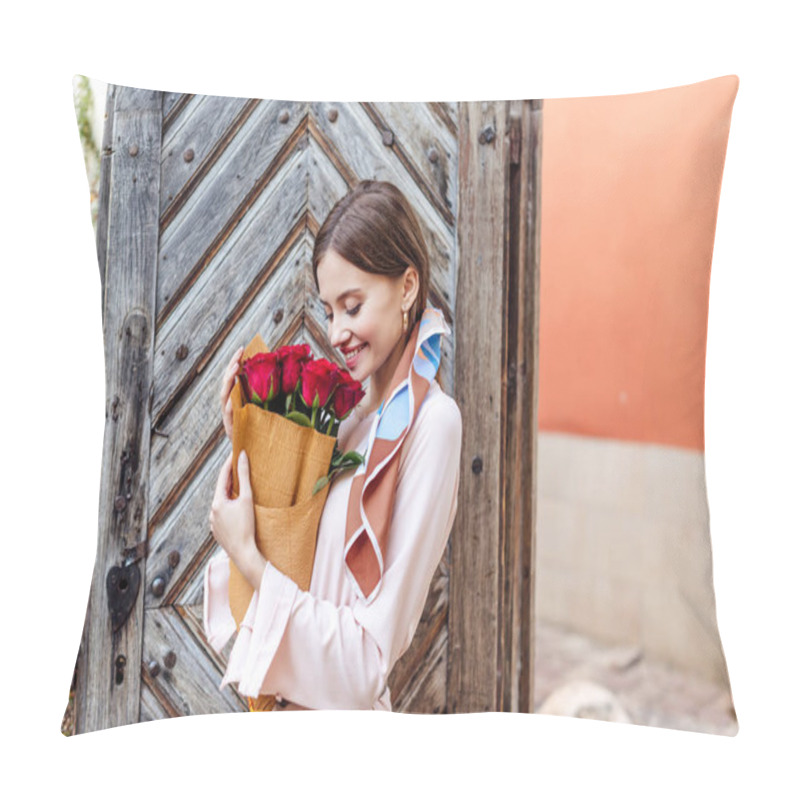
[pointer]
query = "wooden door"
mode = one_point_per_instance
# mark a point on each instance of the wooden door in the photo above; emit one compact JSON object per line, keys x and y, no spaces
{"x":209,"y":209}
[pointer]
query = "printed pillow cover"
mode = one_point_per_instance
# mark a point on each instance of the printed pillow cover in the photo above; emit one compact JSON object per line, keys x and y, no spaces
{"x":585,"y":223}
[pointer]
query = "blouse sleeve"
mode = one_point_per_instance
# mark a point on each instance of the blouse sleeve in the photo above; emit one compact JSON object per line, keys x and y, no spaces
{"x":320,"y":655}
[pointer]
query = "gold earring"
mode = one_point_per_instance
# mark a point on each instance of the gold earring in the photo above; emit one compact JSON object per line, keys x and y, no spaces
{"x":405,"y":321}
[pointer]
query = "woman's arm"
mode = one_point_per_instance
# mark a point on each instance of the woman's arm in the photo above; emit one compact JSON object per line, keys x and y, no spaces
{"x":320,"y":655}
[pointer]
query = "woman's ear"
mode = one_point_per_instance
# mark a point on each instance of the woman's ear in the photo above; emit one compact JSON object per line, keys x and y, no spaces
{"x":410,"y":286}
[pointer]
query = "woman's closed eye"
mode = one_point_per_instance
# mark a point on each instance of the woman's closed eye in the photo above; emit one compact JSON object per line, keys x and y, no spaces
{"x":351,"y":311}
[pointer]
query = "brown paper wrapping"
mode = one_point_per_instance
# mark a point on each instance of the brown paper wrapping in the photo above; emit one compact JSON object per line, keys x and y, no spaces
{"x":286,"y":460}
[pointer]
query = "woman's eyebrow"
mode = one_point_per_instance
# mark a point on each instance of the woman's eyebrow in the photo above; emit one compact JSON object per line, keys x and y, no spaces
{"x":344,"y":294}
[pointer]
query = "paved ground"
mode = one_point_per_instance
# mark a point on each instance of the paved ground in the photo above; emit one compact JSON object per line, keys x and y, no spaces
{"x":577,"y":676}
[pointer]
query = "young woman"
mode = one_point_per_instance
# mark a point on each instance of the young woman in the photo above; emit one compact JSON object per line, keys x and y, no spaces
{"x":334,"y":646}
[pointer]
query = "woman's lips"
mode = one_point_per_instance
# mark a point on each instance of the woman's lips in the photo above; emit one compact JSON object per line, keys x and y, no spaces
{"x":352,"y":358}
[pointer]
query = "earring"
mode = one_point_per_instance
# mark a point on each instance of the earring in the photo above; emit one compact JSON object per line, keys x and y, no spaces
{"x":405,"y":321}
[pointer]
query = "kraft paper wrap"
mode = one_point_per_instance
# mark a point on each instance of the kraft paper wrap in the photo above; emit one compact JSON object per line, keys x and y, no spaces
{"x":286,"y":460}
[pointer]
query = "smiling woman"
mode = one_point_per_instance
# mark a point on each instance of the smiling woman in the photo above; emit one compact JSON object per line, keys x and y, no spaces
{"x":372,"y":243}
{"x":334,"y":646}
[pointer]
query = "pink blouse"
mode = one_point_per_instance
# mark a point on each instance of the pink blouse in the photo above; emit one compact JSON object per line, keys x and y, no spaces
{"x":324,"y":648}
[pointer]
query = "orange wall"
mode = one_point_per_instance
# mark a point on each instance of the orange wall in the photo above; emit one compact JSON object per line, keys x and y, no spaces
{"x":630,"y":189}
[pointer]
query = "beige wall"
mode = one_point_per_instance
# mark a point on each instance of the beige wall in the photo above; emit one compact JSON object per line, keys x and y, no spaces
{"x":623,"y":547}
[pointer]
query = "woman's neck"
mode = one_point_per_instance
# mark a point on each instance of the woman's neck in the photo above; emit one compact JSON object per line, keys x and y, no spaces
{"x":380,"y":381}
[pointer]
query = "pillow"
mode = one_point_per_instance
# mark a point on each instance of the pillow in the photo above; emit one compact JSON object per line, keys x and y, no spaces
{"x":207,"y":209}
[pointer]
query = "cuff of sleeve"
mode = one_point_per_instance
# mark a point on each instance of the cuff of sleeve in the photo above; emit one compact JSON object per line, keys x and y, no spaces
{"x":261,"y":632}
{"x":218,"y":623}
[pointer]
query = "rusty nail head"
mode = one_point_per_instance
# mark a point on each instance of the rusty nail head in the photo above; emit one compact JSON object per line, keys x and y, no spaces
{"x":170,"y":659}
{"x":133,"y":150}
{"x":388,"y":138}
{"x":277,"y":317}
{"x":433,"y":156}
{"x":188,"y":155}
{"x":477,"y":465}
{"x":486,"y":135}
{"x":119,"y":503}
{"x":174,"y":558}
{"x":182,"y":352}
{"x":333,"y":114}
{"x":284,"y":117}
{"x":153,"y":668}
{"x":158,"y":586}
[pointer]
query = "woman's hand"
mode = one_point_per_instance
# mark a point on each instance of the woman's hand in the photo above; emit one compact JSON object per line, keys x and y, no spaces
{"x":225,"y":395}
{"x":233,"y":522}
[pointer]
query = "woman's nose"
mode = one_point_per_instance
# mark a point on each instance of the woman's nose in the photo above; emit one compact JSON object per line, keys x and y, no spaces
{"x":337,"y":333}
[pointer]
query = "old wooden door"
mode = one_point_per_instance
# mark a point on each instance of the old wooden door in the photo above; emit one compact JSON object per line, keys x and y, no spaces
{"x":209,"y":208}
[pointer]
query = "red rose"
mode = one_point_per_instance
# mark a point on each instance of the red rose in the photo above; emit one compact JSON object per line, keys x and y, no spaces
{"x":346,"y":395}
{"x":292,"y":357}
{"x":262,"y":377}
{"x":319,"y":379}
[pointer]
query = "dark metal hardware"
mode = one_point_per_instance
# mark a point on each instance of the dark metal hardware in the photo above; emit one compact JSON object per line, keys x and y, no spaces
{"x":119,"y":669}
{"x":122,"y":588}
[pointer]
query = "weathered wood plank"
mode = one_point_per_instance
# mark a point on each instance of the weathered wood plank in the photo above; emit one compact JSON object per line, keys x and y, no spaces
{"x":325,"y":185}
{"x":172,"y":106}
{"x":191,"y":615}
{"x":192,"y":148}
{"x":427,"y":147}
{"x":475,"y":541}
{"x":358,"y":143}
{"x":104,"y":191}
{"x":427,"y":693}
{"x":195,"y":418}
{"x":222,"y":292}
{"x":189,"y":682}
{"x":109,"y":690}
{"x":448,"y":113}
{"x":531,"y":213}
{"x":517,"y":521}
{"x":223,"y":198}
{"x":150,"y":708}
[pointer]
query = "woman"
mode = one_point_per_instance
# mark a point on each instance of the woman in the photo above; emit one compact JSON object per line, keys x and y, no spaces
{"x":334,"y":646}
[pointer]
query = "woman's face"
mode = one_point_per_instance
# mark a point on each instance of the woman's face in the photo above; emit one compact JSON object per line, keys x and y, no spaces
{"x":363,"y":311}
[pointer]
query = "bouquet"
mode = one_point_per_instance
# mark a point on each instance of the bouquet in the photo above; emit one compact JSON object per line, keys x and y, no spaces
{"x":287,"y":409}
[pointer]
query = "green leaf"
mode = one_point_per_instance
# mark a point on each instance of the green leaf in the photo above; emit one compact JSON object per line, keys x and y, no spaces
{"x":300,"y":418}
{"x":320,"y":484}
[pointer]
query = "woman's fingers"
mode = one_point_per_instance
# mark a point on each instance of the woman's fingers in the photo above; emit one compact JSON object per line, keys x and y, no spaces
{"x":221,"y":491}
{"x":230,"y":375}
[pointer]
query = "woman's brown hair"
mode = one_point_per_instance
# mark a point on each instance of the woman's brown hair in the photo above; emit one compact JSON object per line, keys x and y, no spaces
{"x":374,"y":228}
